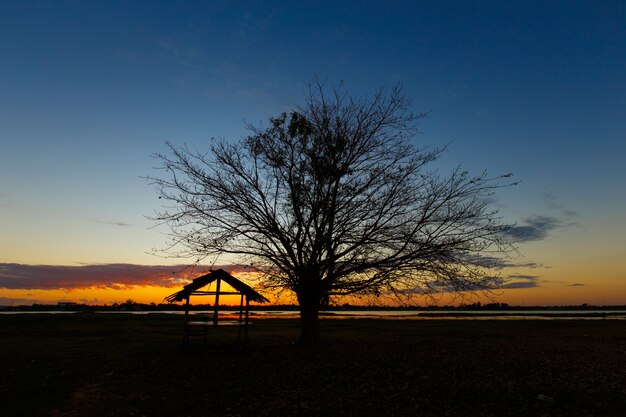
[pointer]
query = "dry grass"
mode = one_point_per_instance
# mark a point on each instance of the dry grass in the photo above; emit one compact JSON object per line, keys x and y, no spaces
{"x":112,"y":365}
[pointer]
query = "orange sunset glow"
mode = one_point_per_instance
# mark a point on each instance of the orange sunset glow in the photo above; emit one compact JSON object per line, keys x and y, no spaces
{"x":607,"y":291}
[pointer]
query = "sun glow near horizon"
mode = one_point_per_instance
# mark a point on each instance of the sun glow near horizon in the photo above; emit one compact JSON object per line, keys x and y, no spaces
{"x":551,"y":292}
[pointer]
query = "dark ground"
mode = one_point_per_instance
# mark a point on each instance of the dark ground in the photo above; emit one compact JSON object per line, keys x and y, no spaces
{"x":132,"y":365}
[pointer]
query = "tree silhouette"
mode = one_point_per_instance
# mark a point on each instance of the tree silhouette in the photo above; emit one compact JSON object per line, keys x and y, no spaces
{"x":332,"y":199}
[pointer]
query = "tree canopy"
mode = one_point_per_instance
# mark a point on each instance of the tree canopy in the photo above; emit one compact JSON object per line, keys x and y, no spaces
{"x":335,"y":198}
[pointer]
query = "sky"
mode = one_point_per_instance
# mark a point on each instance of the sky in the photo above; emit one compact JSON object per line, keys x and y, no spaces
{"x":89,"y":91}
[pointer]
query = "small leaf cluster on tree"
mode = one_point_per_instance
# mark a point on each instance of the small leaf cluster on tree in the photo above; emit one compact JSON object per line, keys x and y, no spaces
{"x":335,"y":198}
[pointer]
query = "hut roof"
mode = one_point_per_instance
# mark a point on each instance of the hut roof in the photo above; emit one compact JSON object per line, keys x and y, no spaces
{"x":212,"y":276}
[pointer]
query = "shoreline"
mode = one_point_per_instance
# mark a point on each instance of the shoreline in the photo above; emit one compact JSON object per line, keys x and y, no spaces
{"x":371,"y":314}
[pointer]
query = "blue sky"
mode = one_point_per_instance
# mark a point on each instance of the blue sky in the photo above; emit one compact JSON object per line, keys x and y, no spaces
{"x":89,"y":90}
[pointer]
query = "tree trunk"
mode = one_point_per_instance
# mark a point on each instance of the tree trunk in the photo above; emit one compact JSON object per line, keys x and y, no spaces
{"x":310,"y":324}
{"x":309,"y":298}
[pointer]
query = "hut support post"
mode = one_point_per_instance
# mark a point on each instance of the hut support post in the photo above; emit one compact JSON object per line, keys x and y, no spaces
{"x":186,"y":328}
{"x":217,"y":302}
{"x":240,"y":317}
{"x":246,"y":325}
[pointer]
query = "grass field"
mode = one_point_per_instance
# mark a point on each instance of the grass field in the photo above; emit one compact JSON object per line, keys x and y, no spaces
{"x":135,"y":365}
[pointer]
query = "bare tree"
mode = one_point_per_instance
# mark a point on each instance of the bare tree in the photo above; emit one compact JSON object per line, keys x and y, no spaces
{"x":335,"y":199}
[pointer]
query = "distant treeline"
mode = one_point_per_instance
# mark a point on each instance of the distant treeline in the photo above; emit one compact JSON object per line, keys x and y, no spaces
{"x":131,"y":305}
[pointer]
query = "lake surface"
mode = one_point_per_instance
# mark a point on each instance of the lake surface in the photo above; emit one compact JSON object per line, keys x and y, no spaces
{"x":393,"y":314}
{"x":484,"y":314}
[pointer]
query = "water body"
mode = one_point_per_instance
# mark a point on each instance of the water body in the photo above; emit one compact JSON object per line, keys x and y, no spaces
{"x":394,"y":314}
{"x":484,"y":314}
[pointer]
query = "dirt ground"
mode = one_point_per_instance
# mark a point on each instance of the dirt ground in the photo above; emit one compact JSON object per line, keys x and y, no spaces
{"x":130,"y":365}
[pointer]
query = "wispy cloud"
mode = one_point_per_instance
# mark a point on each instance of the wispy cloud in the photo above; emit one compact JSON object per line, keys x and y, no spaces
{"x":539,"y":227}
{"x":105,"y":276}
{"x":532,"y":229}
{"x":111,"y":222}
{"x":500,"y":263}
{"x":526,"y":277}
{"x":491,"y":283}
{"x":551,"y":201}
{"x":182,"y":54}
{"x":225,"y":76}
{"x":515,"y":281}
{"x":577,"y":284}
{"x":518,"y":284}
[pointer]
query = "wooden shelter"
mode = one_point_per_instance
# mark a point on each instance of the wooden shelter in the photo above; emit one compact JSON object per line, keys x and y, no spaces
{"x":218,"y":277}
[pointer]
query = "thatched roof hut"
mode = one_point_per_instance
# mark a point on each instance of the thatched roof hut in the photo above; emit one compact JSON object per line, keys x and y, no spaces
{"x":204,"y":280}
{"x":194,"y":288}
